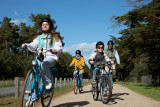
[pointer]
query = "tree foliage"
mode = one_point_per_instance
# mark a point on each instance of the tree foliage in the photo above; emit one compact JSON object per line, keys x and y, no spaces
{"x":140,"y":42}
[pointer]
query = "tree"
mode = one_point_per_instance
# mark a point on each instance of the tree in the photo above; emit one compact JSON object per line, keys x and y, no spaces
{"x":139,"y":44}
{"x":9,"y":36}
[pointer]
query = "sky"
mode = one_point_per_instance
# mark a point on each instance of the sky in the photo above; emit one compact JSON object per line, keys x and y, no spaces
{"x":82,"y":23}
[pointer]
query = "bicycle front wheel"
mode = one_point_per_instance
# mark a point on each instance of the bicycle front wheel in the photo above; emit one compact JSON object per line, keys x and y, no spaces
{"x":26,"y":91}
{"x":47,"y":96}
{"x":75,"y":84}
{"x":95,"y":91}
{"x":105,"y":90}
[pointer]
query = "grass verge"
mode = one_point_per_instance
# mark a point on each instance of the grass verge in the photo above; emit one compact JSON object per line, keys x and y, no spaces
{"x":144,"y":89}
{"x":10,"y":101}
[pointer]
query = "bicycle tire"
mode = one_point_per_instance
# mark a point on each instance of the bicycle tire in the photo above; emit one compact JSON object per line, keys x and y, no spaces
{"x":111,"y":86}
{"x":75,"y":84}
{"x":105,"y":90}
{"x":26,"y":83}
{"x":95,"y":91}
{"x":47,"y":96}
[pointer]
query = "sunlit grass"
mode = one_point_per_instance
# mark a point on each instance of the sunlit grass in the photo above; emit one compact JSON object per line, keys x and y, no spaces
{"x":144,"y":89}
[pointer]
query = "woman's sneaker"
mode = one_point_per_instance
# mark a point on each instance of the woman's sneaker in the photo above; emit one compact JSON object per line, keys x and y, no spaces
{"x":31,"y":103}
{"x":49,"y":86}
{"x":27,"y":91}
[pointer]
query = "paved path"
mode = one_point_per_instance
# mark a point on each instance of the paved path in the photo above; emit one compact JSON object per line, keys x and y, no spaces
{"x":8,"y":91}
{"x":122,"y":97}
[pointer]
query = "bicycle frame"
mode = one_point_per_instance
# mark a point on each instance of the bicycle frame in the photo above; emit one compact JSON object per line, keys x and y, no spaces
{"x":111,"y":75}
{"x":35,"y":84}
{"x":78,"y":78}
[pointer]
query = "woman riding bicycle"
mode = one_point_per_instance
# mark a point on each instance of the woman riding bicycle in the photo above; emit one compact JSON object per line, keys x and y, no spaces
{"x":98,"y":57}
{"x":79,"y":60}
{"x":47,"y":39}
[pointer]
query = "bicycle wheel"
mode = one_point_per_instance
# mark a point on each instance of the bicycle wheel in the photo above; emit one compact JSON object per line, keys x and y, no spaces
{"x":47,"y":96}
{"x":95,"y":91}
{"x":75,"y":84}
{"x":26,"y":91}
{"x":111,"y":82}
{"x":105,"y":89}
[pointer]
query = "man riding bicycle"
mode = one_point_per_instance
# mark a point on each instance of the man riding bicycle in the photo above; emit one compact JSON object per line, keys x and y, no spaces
{"x":112,"y":53}
{"x":98,"y":57}
{"x":79,"y":60}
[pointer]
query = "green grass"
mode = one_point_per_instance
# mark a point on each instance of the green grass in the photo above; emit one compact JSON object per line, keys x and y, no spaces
{"x":144,"y":89}
{"x":7,"y":85}
{"x":10,"y":101}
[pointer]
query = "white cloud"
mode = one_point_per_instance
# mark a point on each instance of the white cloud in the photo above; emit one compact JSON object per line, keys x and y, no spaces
{"x":18,"y":21}
{"x":16,"y":13}
{"x":86,"y":50}
{"x":84,"y":47}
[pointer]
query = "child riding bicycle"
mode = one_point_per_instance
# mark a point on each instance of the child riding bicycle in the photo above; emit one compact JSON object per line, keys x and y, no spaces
{"x":79,"y":60}
{"x":98,"y":57}
{"x":47,"y":39}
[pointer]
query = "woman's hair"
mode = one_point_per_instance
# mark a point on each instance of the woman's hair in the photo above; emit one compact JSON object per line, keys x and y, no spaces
{"x":53,"y":35}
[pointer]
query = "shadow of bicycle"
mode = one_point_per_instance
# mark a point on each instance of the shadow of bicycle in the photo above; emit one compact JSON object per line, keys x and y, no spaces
{"x":73,"y":104}
{"x":85,"y":92}
{"x":116,"y":96}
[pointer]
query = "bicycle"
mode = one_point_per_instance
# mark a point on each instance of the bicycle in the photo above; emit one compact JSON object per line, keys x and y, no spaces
{"x":34,"y":87}
{"x":76,"y":80}
{"x":102,"y":85}
{"x":111,"y":78}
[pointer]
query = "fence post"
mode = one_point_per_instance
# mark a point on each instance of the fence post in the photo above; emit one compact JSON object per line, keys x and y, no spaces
{"x":55,"y":84}
{"x":135,"y":79}
{"x":60,"y":79}
{"x":16,"y":87}
{"x":64,"y":82}
{"x":67,"y":80}
{"x":70,"y":81}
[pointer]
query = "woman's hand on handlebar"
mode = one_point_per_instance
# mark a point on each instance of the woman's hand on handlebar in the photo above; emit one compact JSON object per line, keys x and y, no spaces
{"x":23,"y":45}
{"x":53,"y":51}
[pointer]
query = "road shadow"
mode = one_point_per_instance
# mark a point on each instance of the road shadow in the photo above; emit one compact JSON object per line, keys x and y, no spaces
{"x":73,"y":104}
{"x":116,"y":96}
{"x":85,"y":92}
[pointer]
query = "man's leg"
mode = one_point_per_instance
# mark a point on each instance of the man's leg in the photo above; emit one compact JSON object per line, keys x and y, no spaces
{"x":113,"y":67}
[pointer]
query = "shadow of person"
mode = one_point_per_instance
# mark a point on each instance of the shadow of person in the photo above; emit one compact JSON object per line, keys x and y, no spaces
{"x":72,"y":104}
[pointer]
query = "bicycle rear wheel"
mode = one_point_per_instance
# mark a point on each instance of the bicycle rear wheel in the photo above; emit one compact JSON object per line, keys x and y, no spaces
{"x":105,"y":89}
{"x":26,"y":91}
{"x":47,"y":96}
{"x":95,"y":91}
{"x":111,"y":82}
{"x":75,"y":84}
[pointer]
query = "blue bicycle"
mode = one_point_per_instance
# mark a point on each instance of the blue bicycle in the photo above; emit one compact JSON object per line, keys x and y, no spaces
{"x":102,"y":85}
{"x":76,"y":81}
{"x":34,"y":88}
